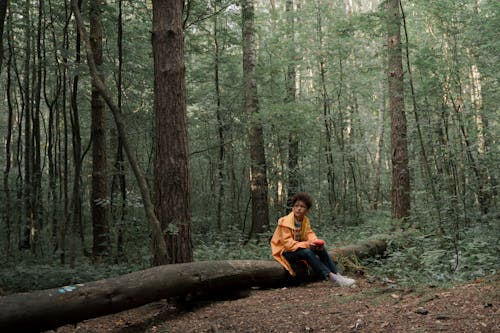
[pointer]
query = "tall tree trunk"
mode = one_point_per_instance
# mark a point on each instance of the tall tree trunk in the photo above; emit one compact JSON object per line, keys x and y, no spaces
{"x":293,"y":137}
{"x":376,"y":198}
{"x":8,"y":156}
{"x":76,"y":196}
{"x":99,"y":196}
{"x":258,"y":169}
{"x":118,"y":183}
{"x":220,"y":122}
{"x":350,"y":153}
{"x":171,"y":172}
{"x":52,"y":102}
{"x":400,"y":168}
{"x":37,"y":163}
{"x":425,"y":160}
{"x":159,"y":246}
{"x":327,"y":117}
{"x":29,"y":229}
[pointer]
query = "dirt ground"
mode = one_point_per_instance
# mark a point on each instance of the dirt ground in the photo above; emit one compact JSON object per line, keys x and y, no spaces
{"x":372,"y":306}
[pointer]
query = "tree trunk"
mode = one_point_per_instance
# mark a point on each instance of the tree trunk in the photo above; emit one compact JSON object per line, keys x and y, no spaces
{"x":76,"y":196}
{"x":293,"y":137}
{"x":258,"y":169}
{"x":6,"y":214}
{"x":37,"y":204}
{"x":118,"y":183}
{"x":428,"y":176}
{"x":159,"y":247}
{"x":400,"y":168}
{"x":51,"y":308}
{"x":99,"y":197}
{"x":171,"y":172}
{"x":327,"y":118}
{"x":29,"y":229}
{"x":376,"y":198}
{"x":220,"y":122}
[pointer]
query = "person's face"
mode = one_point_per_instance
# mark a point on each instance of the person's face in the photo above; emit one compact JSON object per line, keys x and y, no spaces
{"x":299,"y":210}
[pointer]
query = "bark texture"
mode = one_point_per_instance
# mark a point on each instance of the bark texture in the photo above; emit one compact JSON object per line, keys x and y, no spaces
{"x":99,"y":196}
{"x":172,"y":198}
{"x":48,"y":309}
{"x":400,"y":168}
{"x":159,"y":247}
{"x":258,"y":169}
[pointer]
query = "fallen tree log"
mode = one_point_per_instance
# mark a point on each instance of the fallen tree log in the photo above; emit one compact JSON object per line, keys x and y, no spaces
{"x":48,"y":309}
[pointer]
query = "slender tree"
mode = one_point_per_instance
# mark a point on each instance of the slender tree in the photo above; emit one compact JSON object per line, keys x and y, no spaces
{"x":171,"y":172}
{"x":376,"y":194}
{"x":220,"y":120}
{"x":29,"y":228}
{"x":118,"y":184}
{"x":327,"y":114}
{"x":400,"y":168}
{"x":6,"y":214}
{"x":99,"y":197}
{"x":428,"y":176}
{"x":293,"y":137}
{"x":258,"y":171}
{"x":76,"y":196}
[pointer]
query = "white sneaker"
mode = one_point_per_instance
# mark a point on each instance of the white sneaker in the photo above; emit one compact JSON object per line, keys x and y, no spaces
{"x":341,"y":280}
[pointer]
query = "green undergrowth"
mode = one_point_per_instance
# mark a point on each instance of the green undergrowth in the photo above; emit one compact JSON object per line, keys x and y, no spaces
{"x":28,"y":276}
{"x":412,"y":258}
{"x":417,"y":257}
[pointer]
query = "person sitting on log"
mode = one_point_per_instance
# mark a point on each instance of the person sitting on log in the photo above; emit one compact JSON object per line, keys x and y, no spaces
{"x":294,"y":241}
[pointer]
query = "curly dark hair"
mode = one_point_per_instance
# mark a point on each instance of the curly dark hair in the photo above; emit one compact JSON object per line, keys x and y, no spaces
{"x":304,"y":197}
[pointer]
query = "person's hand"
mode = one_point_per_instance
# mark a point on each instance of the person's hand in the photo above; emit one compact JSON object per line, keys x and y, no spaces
{"x":317,"y":244}
{"x":315,"y":247}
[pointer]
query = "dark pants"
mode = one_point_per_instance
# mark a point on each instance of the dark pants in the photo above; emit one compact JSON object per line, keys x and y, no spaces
{"x":319,"y":260}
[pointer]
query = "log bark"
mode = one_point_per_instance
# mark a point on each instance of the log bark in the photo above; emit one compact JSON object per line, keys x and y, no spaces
{"x":48,"y":309}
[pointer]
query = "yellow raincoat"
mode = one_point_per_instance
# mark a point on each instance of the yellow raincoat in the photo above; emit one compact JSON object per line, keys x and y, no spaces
{"x":283,"y":239}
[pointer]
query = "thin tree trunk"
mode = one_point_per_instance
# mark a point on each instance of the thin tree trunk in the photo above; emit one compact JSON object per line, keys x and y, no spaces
{"x":258,"y":169}
{"x":220,"y":123}
{"x":29,"y":229}
{"x":351,"y":190}
{"x":37,"y":163}
{"x":99,"y":197}
{"x":425,"y":160}
{"x":376,"y":198}
{"x":119,"y":174}
{"x":18,"y":153}
{"x":8,"y":156}
{"x":293,"y":137}
{"x":327,"y":120}
{"x":76,"y":196}
{"x":52,"y":100}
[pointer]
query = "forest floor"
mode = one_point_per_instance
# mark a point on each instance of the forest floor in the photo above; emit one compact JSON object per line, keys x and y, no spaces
{"x":372,"y":306}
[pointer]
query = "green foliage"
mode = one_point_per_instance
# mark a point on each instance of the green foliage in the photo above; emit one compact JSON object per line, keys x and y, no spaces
{"x":231,"y":244}
{"x":28,"y":276}
{"x":414,"y":257}
{"x":446,"y":40}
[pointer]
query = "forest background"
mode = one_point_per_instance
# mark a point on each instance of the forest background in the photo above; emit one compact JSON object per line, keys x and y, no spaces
{"x":323,"y":108}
